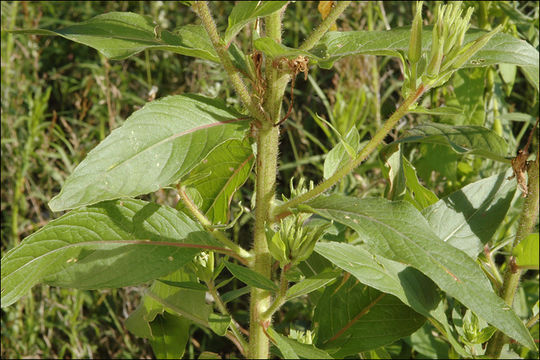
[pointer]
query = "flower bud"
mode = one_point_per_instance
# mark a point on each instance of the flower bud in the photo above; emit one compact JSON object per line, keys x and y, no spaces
{"x":436,"y":59}
{"x":469,"y":51}
{"x":295,"y":241}
{"x":203,"y":266}
{"x":415,"y":44}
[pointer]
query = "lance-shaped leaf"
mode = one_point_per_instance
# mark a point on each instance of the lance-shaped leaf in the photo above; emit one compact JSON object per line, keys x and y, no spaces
{"x":345,"y":150}
{"x":273,"y":49}
{"x":399,"y":232}
{"x":171,"y":334}
{"x":409,"y":285}
{"x":108,"y":245}
{"x":247,"y":11}
{"x":218,"y":177}
{"x":353,"y":317}
{"x":467,"y":139}
{"x":467,"y":218}
{"x":311,"y":284}
{"x":292,"y":349}
{"x":155,"y":147}
{"x":188,"y":304}
{"x":501,"y":48}
{"x":192,"y":304}
{"x":119,"y":35}
{"x":250,"y":277}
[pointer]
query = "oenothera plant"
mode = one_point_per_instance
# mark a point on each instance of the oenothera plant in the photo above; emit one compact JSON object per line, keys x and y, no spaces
{"x":413,"y":247}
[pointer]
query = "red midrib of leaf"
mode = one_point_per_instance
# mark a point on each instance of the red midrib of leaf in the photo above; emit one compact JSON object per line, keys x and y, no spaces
{"x":356,"y":318}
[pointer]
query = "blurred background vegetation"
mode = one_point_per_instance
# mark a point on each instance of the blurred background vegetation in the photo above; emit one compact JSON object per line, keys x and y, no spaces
{"x":60,"y":99}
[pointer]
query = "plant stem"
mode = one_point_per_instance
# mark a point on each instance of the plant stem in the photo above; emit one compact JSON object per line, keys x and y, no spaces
{"x":527,"y":220}
{"x":532,"y":321}
{"x":283,"y":210}
{"x":323,"y":27}
{"x":201,"y":8}
{"x":203,"y":220}
{"x":280,"y":298}
{"x":267,"y":152}
{"x":267,"y":148}
{"x":375,"y":78}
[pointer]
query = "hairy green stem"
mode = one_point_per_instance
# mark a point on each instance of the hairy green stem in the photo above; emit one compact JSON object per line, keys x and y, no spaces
{"x":201,"y":8}
{"x":283,"y":210}
{"x":375,"y":78}
{"x":267,"y":153}
{"x":267,"y":148}
{"x":203,"y":220}
{"x":532,"y":321}
{"x":280,"y":297}
{"x":527,"y":220}
{"x":323,"y":27}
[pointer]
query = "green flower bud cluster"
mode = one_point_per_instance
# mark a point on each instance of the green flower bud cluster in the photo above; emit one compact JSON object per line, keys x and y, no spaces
{"x":301,"y":336}
{"x":447,"y":36}
{"x":299,"y":189}
{"x":203,"y":266}
{"x":475,"y":331}
{"x":447,"y":52}
{"x":295,"y":240}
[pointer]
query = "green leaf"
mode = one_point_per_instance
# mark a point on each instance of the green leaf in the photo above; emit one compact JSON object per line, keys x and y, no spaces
{"x":119,"y":35}
{"x":520,"y":117}
{"x":468,"y":218}
{"x":108,"y":245}
{"x":474,"y":140}
{"x":399,"y":232}
{"x":250,"y":277}
{"x":283,"y":346}
{"x":171,"y":334}
{"x":404,"y":282}
{"x":218,"y":177}
{"x":155,"y":147}
{"x":417,"y":194}
{"x":272,"y":49}
{"x":294,"y":348}
{"x":193,"y":302}
{"x":187,"y":303}
{"x":353,"y":317}
{"x":397,"y":183}
{"x":526,"y":252}
{"x":532,"y":74}
{"x":311,"y":284}
{"x":208,"y":355}
{"x":423,"y":341}
{"x":501,"y":48}
{"x":247,"y":11}
{"x":469,"y":87}
{"x":233,"y":294}
{"x":403,"y":181}
{"x":339,"y":155}
{"x":219,"y":323}
{"x":437,"y":158}
{"x":192,"y":285}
